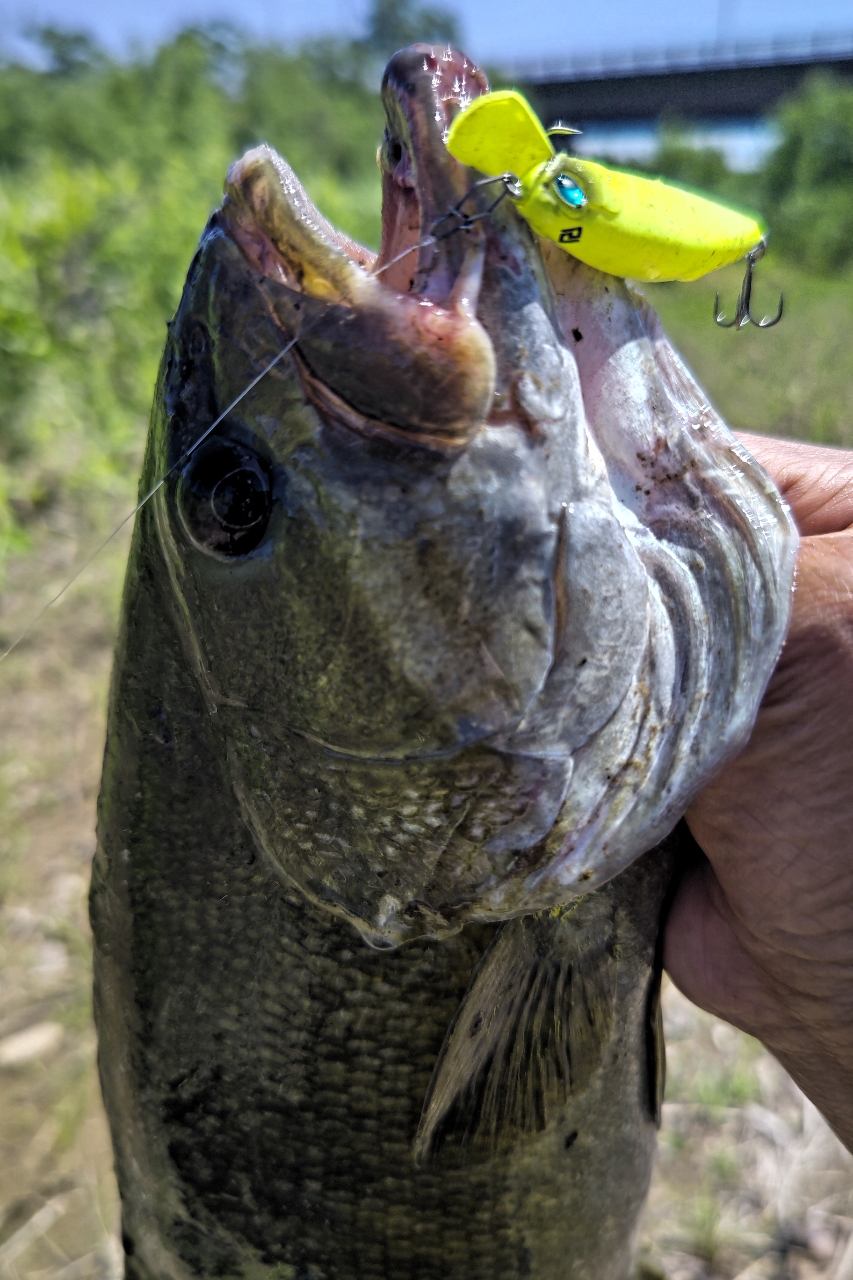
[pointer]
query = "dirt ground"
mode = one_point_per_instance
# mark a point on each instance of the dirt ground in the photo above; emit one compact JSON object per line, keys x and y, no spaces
{"x":750,"y":1182}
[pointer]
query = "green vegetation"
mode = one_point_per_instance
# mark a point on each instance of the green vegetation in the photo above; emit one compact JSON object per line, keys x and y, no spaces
{"x":109,"y":169}
{"x":795,"y":379}
{"x":108,"y":172}
{"x":706,"y":1229}
{"x":723,"y":1167}
{"x":715,"y":1078}
{"x":808,"y":181}
{"x":703,"y":168}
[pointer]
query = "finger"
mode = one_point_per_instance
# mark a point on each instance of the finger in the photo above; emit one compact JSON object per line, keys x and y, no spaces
{"x":816,"y":481}
{"x":823,"y":596}
{"x":704,"y":957}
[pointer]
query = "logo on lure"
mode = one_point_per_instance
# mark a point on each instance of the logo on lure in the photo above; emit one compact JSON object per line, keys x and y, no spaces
{"x":617,"y":222}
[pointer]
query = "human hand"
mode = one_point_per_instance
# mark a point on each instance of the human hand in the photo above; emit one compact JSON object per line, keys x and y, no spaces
{"x":761,"y":933}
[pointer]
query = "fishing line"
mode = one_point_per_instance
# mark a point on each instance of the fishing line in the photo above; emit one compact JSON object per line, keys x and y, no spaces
{"x":421,"y":244}
{"x":460,"y":222}
{"x":147,"y":498}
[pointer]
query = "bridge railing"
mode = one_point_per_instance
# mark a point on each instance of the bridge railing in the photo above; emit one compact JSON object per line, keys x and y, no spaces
{"x":783,"y":50}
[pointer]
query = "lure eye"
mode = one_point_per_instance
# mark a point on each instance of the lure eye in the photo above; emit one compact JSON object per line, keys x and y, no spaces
{"x":225,"y":498}
{"x":569,"y":191}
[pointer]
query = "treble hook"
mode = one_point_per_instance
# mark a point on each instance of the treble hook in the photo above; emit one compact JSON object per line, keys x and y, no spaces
{"x":742,"y":314}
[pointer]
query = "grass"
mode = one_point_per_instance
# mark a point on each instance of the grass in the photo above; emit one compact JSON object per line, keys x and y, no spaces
{"x":53,"y":1138}
{"x":706,"y":1242}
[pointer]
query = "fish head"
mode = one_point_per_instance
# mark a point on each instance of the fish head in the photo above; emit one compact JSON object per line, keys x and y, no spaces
{"x":379,"y":513}
{"x":389,"y":542}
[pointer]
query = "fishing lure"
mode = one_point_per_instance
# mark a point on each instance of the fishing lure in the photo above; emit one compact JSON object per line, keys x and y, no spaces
{"x":617,"y":222}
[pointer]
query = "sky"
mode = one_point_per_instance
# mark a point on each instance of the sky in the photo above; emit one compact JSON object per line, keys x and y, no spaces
{"x":494,"y":30}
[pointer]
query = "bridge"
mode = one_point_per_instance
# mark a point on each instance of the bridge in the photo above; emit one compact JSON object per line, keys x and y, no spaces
{"x":726,"y":81}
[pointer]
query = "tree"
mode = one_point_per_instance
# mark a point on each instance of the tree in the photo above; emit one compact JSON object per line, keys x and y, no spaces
{"x":809,"y":178}
{"x":68,"y":53}
{"x":393,"y":24}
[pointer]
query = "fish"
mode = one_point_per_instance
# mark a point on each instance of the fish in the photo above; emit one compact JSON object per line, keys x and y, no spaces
{"x":455,"y":594}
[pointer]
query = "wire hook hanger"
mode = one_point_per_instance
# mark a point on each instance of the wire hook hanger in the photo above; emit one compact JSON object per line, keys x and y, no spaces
{"x":461,"y":221}
{"x":743,"y":314}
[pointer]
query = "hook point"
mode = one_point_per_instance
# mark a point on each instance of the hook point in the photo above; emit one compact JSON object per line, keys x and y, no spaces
{"x":767,"y":323}
{"x":743,"y":314}
{"x":719,"y":317}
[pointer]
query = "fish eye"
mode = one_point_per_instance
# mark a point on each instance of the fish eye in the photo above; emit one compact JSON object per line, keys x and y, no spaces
{"x":395,"y":150}
{"x":569,"y":191}
{"x":225,"y":497}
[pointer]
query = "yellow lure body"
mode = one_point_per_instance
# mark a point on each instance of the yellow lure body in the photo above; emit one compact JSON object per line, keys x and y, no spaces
{"x":617,"y":222}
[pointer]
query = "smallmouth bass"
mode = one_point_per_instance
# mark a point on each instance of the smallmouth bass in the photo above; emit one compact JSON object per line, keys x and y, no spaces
{"x":424,"y":652}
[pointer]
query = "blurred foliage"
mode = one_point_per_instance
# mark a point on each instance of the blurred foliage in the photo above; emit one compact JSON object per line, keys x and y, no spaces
{"x":108,"y":172}
{"x":792,"y":380}
{"x":110,"y":168}
{"x":808,"y":180}
{"x":703,"y":168}
{"x":393,"y":24}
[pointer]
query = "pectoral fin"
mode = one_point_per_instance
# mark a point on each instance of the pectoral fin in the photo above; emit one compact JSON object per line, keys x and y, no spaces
{"x":499,"y":132}
{"x":530,"y":1032}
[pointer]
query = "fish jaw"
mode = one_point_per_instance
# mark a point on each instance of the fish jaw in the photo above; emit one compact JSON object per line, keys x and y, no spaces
{"x":455,"y":552}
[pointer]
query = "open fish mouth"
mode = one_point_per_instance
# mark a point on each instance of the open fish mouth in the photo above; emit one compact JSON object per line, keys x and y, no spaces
{"x":409,"y":314}
{"x":447,"y":340}
{"x":499,"y":593}
{"x":445,"y":489}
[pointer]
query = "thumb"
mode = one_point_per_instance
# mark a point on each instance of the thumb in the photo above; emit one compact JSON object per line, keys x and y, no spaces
{"x":704,"y":956}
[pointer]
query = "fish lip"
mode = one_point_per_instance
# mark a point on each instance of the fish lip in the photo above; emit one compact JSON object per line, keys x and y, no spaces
{"x":324,"y":262}
{"x":334,"y":409}
{"x":423,"y":88}
{"x":433,"y":363}
{"x":419,"y":109}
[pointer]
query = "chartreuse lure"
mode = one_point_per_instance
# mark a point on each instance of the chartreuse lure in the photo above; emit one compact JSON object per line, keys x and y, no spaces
{"x":617,"y":222}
